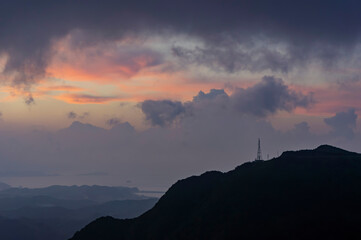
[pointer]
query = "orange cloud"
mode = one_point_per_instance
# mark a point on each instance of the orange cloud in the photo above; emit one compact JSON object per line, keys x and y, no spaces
{"x":102,"y":63}
{"x":87,"y":98}
{"x":61,"y":88}
{"x":99,"y":74}
{"x":141,"y":73}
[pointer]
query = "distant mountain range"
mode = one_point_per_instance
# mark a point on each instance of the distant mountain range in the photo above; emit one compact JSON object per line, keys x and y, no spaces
{"x":56,"y":212}
{"x":4,"y":186}
{"x":308,"y":194}
{"x":90,"y":193}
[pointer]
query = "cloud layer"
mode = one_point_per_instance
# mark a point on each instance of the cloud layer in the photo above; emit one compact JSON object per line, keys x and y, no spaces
{"x":232,"y":36}
{"x":343,"y":123}
{"x":268,"y":97}
{"x":211,"y":136}
{"x":162,"y":112}
{"x":261,"y":100}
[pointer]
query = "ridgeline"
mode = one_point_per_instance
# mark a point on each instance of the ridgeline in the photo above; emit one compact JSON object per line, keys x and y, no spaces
{"x":307,"y":194}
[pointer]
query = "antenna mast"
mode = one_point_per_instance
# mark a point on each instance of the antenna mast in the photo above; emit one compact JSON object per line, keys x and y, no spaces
{"x":259,"y":152}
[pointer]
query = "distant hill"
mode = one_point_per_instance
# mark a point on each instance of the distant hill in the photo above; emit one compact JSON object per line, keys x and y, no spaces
{"x":16,"y":229}
{"x":4,"y":186}
{"x":120,"y":209}
{"x":308,"y":194}
{"x":56,"y":212}
{"x":85,"y":192}
{"x":59,"y":223}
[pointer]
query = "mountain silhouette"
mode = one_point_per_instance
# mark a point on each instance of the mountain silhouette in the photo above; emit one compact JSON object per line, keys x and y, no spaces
{"x":56,"y":212}
{"x":307,"y":194}
{"x":84,"y":192}
{"x":4,"y":186}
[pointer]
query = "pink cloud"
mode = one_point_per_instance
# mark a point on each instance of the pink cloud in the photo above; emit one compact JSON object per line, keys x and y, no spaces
{"x":87,"y":98}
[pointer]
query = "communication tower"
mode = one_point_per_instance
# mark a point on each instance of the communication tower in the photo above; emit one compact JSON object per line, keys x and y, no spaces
{"x":259,"y":152}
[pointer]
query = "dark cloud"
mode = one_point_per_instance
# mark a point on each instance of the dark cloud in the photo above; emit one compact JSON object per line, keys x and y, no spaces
{"x":132,"y":56}
{"x":29,"y":100}
{"x":162,"y":113}
{"x":28,"y":30}
{"x":84,"y":115}
{"x":212,"y":95}
{"x":268,"y":97}
{"x":261,"y":100}
{"x":73,"y":115}
{"x":124,"y":104}
{"x":235,"y":58}
{"x":343,"y":123}
{"x":113,"y":121}
{"x":302,"y":128}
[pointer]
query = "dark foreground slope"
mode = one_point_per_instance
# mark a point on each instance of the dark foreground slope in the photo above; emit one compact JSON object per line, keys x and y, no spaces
{"x":310,"y":194}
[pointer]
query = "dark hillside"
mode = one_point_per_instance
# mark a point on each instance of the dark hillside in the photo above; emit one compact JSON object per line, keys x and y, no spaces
{"x":308,"y":194}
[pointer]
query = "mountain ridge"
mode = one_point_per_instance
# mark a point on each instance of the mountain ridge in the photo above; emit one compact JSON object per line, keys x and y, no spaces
{"x":285,"y":197}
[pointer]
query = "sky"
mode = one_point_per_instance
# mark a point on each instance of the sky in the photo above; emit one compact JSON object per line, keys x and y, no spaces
{"x":144,"y":93}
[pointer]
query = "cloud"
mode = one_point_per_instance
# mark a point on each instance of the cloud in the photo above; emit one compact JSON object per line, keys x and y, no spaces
{"x":261,"y":100}
{"x":87,"y":98}
{"x":236,"y":58}
{"x":343,"y":123}
{"x":163,"y":112}
{"x":212,"y":95}
{"x":84,"y":115}
{"x":104,"y":61}
{"x":29,"y":100}
{"x":61,"y":88}
{"x":326,"y":36}
{"x":73,"y":115}
{"x":302,"y":128}
{"x":268,"y":97}
{"x":113,"y":121}
{"x":209,"y":134}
